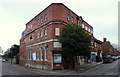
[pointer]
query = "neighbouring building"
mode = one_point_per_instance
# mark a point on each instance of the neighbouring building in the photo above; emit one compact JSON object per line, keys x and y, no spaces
{"x":96,"y":52}
{"x":107,"y":48}
{"x":39,"y":45}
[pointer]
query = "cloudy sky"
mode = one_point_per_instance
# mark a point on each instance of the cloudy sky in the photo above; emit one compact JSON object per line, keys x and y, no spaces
{"x":14,"y":14}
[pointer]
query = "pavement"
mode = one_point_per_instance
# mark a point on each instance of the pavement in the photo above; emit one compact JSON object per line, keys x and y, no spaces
{"x":76,"y":71}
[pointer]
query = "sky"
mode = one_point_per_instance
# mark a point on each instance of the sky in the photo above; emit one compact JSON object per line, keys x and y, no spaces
{"x":102,"y":15}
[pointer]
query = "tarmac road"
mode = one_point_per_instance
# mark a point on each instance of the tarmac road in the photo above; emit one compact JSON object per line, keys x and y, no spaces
{"x":103,"y":69}
{"x":8,"y":69}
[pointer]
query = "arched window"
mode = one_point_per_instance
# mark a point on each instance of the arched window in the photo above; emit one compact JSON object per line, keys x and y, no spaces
{"x":30,"y":54}
{"x":41,"y":54}
{"x":37,"y":53}
{"x":46,"y":52}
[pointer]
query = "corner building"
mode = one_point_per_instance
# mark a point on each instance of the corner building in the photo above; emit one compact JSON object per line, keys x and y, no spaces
{"x":39,"y":45}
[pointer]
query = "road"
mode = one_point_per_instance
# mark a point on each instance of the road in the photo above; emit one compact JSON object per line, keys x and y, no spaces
{"x":8,"y":69}
{"x":103,"y":69}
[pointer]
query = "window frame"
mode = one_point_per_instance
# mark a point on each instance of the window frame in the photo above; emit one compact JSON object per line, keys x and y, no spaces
{"x":57,"y":31}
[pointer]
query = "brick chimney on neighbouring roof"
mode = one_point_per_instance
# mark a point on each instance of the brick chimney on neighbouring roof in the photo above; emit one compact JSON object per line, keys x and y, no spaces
{"x":104,"y":39}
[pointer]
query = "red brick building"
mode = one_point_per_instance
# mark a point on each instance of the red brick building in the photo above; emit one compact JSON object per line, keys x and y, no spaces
{"x":96,"y":50}
{"x":108,"y":48}
{"x":40,"y":38}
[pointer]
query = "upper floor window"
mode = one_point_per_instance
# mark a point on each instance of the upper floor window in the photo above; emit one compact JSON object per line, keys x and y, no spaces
{"x":29,"y":27}
{"x":86,"y":28}
{"x":91,"y":31}
{"x":38,"y":21}
{"x":83,"y":25}
{"x":42,"y":33}
{"x":57,"y":31}
{"x":46,"y":31}
{"x":68,"y":17}
{"x":95,"y":44}
{"x":38,"y":34}
{"x":45,"y":17}
{"x":72,"y":19}
{"x":41,"y":19}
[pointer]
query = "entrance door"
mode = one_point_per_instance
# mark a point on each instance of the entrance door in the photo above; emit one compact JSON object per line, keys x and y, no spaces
{"x":93,"y":57}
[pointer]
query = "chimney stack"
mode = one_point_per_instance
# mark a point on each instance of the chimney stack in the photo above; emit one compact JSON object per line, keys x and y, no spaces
{"x":104,"y":39}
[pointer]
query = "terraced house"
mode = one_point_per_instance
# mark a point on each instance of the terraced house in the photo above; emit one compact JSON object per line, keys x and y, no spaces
{"x":39,"y":45}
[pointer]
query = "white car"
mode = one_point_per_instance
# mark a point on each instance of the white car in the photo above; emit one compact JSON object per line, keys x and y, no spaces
{"x":3,"y":60}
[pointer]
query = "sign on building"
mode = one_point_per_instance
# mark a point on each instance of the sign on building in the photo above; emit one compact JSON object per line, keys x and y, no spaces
{"x":57,"y":45}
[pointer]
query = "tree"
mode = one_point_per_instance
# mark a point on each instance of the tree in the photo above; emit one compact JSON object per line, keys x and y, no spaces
{"x":75,"y":42}
{"x":11,"y":52}
{"x":14,"y":50}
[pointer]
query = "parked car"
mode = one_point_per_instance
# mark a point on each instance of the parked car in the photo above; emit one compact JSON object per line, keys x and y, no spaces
{"x":118,"y":57}
{"x":114,"y":58}
{"x":3,"y":60}
{"x":107,"y":59}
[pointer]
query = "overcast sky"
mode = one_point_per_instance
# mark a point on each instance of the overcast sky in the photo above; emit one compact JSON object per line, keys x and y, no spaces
{"x":102,"y":15}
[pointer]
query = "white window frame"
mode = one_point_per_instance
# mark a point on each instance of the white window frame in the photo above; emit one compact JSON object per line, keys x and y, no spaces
{"x":72,"y":19}
{"x":92,"y":31}
{"x":46,"y":31}
{"x":68,"y":17}
{"x":89,"y":30}
{"x":95,"y":44}
{"x":83,"y":26}
{"x":42,"y":33}
{"x":30,"y":54}
{"x":30,"y":26}
{"x":45,"y":55}
{"x":45,"y":17}
{"x":38,"y":21}
{"x":57,"y":31}
{"x":41,"y":54}
{"x":37,"y":54}
{"x":38,"y":34}
{"x":42,"y":20}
